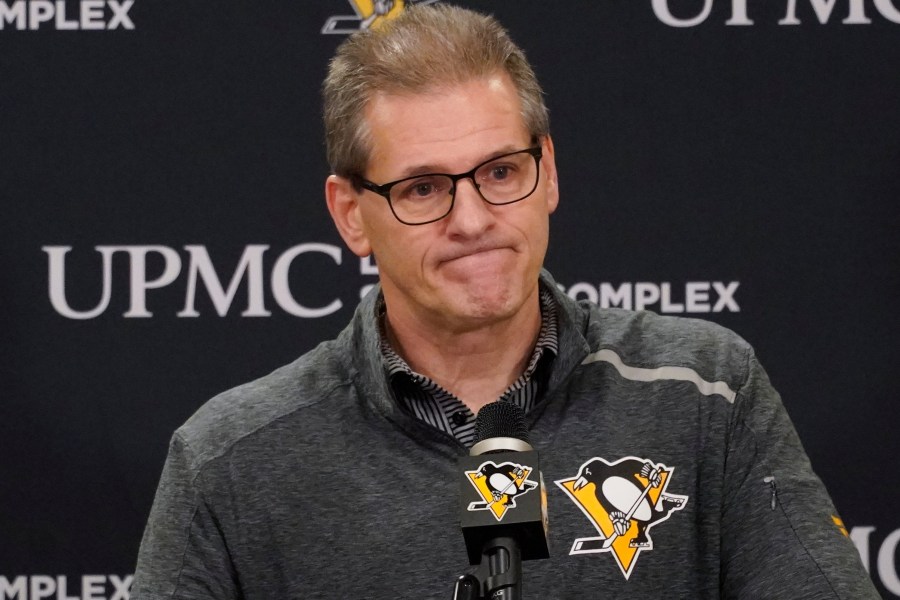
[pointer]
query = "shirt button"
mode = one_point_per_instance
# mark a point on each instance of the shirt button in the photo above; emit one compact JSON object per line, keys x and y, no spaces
{"x":459,"y":418}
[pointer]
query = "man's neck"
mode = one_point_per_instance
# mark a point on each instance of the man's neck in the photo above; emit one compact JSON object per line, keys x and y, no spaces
{"x":475,"y":365}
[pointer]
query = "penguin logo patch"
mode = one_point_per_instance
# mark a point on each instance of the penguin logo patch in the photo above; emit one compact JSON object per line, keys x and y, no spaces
{"x":499,"y":485}
{"x":623,"y":500}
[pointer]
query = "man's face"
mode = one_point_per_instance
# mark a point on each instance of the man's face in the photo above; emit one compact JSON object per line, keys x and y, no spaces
{"x":479,"y":265}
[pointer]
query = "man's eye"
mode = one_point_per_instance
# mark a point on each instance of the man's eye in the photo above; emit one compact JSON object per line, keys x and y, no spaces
{"x":500,"y":173}
{"x":422,"y":189}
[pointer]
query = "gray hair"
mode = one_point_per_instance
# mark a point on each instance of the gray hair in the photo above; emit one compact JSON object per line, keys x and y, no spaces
{"x":424,"y":48}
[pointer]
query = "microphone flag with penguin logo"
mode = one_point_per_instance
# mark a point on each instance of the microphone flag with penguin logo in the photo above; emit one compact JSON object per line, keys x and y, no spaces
{"x":499,"y":485}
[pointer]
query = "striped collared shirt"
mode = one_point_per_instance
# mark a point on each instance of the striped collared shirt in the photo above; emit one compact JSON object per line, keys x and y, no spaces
{"x":425,"y":400}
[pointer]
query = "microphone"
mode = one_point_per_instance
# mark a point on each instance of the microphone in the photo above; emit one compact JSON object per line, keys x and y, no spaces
{"x":503,"y":508}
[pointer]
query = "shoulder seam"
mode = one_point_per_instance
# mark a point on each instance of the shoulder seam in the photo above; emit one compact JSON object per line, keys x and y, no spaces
{"x":204,"y":460}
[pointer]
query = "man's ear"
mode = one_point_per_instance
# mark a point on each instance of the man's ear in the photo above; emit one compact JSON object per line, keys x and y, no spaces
{"x":343,"y":205}
{"x":548,"y":164}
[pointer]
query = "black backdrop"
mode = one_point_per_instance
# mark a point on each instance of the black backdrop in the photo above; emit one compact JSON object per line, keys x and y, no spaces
{"x":737,"y":161}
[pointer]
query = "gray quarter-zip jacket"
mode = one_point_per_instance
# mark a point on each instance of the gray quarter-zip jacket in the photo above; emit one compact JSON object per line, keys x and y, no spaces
{"x":661,"y":433}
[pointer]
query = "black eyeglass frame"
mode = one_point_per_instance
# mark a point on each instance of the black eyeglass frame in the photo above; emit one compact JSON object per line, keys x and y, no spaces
{"x":384,"y":190}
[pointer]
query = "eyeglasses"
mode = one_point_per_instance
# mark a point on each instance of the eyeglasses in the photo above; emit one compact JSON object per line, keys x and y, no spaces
{"x":427,"y":198}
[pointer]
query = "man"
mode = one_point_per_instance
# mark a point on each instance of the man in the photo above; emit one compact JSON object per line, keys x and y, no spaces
{"x":335,"y":476}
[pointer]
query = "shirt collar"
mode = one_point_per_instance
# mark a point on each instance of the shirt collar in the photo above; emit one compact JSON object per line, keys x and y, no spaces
{"x":547,"y":342}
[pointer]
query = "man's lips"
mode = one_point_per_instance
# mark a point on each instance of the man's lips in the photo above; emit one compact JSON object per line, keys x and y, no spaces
{"x":471,"y":253}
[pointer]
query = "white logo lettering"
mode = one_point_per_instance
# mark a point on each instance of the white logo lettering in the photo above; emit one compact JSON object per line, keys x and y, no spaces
{"x":17,"y":589}
{"x":120,"y":15}
{"x":62,"y":592}
{"x":695,"y":298}
{"x":251,"y":262}
{"x":886,"y":562}
{"x":856,"y":13}
{"x":282,"y":291}
{"x":888,"y":10}
{"x":9,"y":14}
{"x":153,"y":267}
{"x":739,"y":13}
{"x":200,"y":272}
{"x":609,"y":296}
{"x":661,"y":8}
{"x":92,"y":14}
{"x":61,"y":22}
{"x":57,"y":268}
{"x":139,"y":282}
{"x":122,"y":586}
{"x":39,"y":11}
{"x":367,"y":267}
{"x":93,"y":587}
{"x":823,"y":10}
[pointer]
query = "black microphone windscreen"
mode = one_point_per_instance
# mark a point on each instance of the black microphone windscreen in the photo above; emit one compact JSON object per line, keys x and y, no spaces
{"x":500,"y":419}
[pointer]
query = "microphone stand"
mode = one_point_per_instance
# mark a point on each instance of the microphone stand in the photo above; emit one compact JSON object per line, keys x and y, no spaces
{"x":499,"y":577}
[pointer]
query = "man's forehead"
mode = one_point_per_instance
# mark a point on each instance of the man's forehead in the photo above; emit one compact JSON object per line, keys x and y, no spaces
{"x":426,"y":128}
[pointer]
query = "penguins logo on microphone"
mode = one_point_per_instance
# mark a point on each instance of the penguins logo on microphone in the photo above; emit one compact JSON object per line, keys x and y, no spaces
{"x":499,"y":485}
{"x":623,"y":500}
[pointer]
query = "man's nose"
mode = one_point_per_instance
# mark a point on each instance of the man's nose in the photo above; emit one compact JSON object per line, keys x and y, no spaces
{"x":471,"y":214}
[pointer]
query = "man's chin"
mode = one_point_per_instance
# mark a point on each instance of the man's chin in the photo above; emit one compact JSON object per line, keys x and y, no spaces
{"x":480,"y":307}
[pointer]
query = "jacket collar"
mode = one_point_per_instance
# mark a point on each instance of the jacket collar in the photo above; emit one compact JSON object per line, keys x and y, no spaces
{"x":360,"y":343}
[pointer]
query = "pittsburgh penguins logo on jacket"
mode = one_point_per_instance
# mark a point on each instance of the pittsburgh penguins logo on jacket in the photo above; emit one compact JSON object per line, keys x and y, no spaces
{"x":623,"y":500}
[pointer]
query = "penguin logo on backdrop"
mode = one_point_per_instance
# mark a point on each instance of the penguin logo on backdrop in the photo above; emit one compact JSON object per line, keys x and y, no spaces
{"x":369,"y":13}
{"x":499,"y":485}
{"x":623,"y":500}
